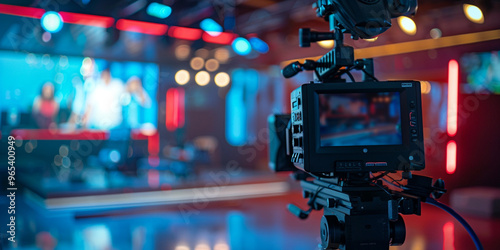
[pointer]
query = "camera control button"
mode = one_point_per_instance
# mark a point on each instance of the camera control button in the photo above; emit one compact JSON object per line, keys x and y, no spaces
{"x":412,"y":104}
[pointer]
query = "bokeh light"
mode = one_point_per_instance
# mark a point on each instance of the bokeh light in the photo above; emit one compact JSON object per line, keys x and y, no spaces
{"x":425,"y":87}
{"x":211,"y":27}
{"x":407,"y":25}
{"x":212,"y":65}
{"x":46,"y":36}
{"x":222,"y":55}
{"x":202,"y":78}
{"x":326,"y":44}
{"x":473,"y":13}
{"x":182,"y":77}
{"x":51,"y":21}
{"x":435,"y":33}
{"x":197,"y":63}
{"x":241,"y":46}
{"x":371,"y":39}
{"x":222,"y":79}
{"x":182,"y":52}
{"x":203,"y":53}
{"x":159,"y":10}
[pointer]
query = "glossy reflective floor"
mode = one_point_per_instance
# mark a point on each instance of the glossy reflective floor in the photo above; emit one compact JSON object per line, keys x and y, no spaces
{"x":260,"y":223}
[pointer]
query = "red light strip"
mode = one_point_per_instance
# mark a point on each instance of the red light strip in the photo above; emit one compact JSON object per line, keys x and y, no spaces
{"x":180,"y":113}
{"x":449,"y":236}
{"x":170,"y":109}
{"x":154,"y":144}
{"x":185,"y":33}
{"x":225,"y":38}
{"x":452,"y":97}
{"x":156,"y":29}
{"x":89,"y":20}
{"x":451,"y":157}
{"x":21,"y":11}
{"x":174,"y":110}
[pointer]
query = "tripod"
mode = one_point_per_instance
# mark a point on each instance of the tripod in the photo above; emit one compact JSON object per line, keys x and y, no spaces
{"x":359,"y":213}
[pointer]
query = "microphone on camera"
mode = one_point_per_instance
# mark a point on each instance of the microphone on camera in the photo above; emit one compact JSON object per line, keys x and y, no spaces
{"x":294,"y":68}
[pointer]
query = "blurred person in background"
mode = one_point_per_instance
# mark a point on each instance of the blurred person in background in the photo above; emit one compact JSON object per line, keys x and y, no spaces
{"x":137,"y":100}
{"x":77,"y":105}
{"x":45,"y":108}
{"x":104,"y":110}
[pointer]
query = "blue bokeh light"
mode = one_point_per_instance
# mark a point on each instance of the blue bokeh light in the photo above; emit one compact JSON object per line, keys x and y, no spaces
{"x":159,"y":10}
{"x":211,"y":27}
{"x":241,"y":46}
{"x":52,"y":22}
{"x":259,"y":45}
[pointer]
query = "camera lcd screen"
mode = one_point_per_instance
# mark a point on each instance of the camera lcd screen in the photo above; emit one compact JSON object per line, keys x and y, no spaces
{"x":359,"y":119}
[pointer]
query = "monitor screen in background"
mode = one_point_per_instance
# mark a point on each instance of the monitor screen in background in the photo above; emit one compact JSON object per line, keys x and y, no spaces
{"x":359,"y":119}
{"x":482,"y":72}
{"x":56,"y":91}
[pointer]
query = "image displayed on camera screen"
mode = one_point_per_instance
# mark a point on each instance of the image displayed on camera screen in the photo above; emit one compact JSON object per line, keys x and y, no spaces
{"x":359,"y":119}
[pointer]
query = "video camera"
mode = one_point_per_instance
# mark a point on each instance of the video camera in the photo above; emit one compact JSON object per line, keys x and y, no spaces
{"x":340,"y":134}
{"x":339,"y":127}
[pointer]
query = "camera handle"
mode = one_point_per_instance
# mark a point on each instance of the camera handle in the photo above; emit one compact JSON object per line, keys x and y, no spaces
{"x":335,"y":63}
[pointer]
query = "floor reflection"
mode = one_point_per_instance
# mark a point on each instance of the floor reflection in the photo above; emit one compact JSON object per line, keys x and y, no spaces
{"x":261,"y":223}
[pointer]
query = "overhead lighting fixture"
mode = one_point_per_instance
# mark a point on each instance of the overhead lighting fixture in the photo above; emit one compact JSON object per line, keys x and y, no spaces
{"x":159,"y":10}
{"x":52,"y":22}
{"x":407,"y":25}
{"x":473,"y":13}
{"x":241,"y":46}
{"x":202,"y":78}
{"x":211,"y":27}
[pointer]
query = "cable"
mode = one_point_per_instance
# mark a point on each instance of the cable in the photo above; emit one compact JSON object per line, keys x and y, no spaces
{"x":459,"y":218}
{"x":379,"y":176}
{"x":350,"y":76}
{"x":394,"y":180}
{"x":394,"y":185}
{"x":370,"y":75}
{"x":381,"y":187}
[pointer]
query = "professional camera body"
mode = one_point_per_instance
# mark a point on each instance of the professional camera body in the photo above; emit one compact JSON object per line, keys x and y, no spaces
{"x":342,"y":139}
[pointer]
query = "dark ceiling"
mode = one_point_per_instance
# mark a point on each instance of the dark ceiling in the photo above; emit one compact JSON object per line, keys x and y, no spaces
{"x":276,"y":22}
